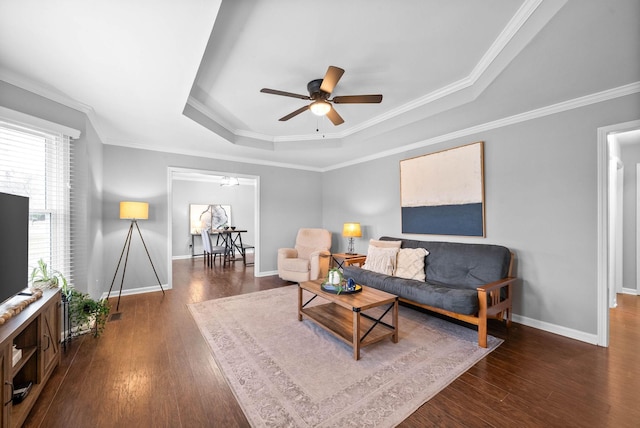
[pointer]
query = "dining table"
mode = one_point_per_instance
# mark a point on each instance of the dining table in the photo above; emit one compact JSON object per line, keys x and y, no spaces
{"x":230,"y":239}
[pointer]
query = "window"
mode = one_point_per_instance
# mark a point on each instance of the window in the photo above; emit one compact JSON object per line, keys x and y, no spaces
{"x":37,"y":164}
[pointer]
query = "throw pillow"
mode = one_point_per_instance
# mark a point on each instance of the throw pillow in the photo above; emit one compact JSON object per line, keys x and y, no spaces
{"x":385,"y":244}
{"x":411,"y":263}
{"x":381,"y":260}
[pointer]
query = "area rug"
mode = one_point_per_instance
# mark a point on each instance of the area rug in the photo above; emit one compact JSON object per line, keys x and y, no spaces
{"x":287,"y":373}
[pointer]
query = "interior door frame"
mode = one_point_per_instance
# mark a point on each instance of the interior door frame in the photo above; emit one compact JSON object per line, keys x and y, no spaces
{"x":256,"y":226}
{"x":603,"y":226}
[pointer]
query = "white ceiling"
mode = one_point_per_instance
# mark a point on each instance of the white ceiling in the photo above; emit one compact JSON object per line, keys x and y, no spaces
{"x":184,"y":76}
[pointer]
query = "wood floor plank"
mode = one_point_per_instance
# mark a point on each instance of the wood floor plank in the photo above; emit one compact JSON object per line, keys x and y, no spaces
{"x":153,"y":368}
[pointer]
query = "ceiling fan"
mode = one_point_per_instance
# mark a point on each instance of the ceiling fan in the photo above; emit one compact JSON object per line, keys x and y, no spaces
{"x":319,"y":92}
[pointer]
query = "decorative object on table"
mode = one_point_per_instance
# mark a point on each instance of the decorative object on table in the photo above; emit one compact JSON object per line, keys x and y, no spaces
{"x":443,"y":193}
{"x":341,"y":289}
{"x":209,"y":217}
{"x":306,"y":378}
{"x":333,"y":281}
{"x":351,"y":230}
{"x":44,"y":277}
{"x":17,"y":304}
{"x":334,"y":276}
{"x":133,"y":211}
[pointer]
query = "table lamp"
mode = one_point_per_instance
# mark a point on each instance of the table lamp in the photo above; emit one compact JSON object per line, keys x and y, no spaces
{"x":351,"y":230}
{"x":133,"y":211}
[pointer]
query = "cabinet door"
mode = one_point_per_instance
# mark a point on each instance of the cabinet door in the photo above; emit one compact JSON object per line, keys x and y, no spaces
{"x":5,"y":369}
{"x":50,"y":340}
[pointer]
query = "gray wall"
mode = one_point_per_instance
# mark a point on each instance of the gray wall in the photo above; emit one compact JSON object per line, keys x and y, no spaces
{"x":186,"y":192}
{"x":289,"y":199}
{"x":630,"y":155}
{"x":541,"y":202}
{"x":87,"y":181}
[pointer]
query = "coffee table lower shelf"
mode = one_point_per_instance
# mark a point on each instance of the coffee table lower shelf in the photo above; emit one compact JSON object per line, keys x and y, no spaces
{"x":344,"y":324}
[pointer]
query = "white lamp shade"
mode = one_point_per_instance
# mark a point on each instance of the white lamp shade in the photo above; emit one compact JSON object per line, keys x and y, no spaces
{"x":134,"y":210}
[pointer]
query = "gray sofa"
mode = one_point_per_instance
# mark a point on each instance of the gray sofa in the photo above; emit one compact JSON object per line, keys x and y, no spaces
{"x":469,"y":282}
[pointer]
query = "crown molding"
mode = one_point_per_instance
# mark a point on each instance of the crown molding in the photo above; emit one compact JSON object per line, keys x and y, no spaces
{"x":597,"y":97}
{"x":55,"y":96}
{"x":454,"y":94}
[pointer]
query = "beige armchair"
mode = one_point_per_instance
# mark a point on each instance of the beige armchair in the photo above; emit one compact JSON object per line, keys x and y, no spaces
{"x":309,"y":259}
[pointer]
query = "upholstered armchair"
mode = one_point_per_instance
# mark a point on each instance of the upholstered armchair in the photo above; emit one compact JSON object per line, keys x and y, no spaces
{"x":309,"y":259}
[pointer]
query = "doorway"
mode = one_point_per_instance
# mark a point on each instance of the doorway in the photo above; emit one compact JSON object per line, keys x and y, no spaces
{"x":210,"y":187}
{"x":610,"y":235}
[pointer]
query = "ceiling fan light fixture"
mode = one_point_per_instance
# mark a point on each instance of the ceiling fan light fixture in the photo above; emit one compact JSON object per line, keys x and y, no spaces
{"x":320,"y":107}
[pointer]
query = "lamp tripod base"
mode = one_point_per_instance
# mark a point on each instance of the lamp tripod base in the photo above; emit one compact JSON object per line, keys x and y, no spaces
{"x":127,"y":246}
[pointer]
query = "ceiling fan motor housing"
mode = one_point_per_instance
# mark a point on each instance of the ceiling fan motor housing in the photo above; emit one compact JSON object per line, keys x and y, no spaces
{"x":314,"y":90}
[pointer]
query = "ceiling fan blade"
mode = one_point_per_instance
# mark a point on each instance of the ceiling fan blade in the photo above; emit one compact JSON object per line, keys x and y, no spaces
{"x":285,"y":94}
{"x":331,"y":79}
{"x":357,"y":99}
{"x":334,"y":117}
{"x":293,"y":114}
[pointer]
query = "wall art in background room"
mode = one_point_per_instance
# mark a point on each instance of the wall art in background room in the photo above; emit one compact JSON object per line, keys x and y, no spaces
{"x":443,"y":193}
{"x":212,"y":216}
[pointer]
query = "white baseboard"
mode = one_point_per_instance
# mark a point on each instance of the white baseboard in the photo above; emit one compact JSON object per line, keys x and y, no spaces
{"x":141,"y":290}
{"x":185,"y":256}
{"x":631,"y":291}
{"x":261,"y":274}
{"x":557,"y":329}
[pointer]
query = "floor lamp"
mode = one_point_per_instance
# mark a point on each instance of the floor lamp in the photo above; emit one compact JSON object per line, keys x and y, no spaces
{"x":133,"y":211}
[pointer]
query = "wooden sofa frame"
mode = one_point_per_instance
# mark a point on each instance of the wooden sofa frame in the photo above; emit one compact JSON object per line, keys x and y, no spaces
{"x":493,"y":304}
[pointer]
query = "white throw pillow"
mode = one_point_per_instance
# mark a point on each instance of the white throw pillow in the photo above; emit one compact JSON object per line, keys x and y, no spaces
{"x":381,"y":260}
{"x":384,"y":244}
{"x":410,"y":263}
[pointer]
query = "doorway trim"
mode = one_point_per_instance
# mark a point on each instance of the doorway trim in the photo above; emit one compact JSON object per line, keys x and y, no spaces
{"x":170,"y":174}
{"x":603,"y":226}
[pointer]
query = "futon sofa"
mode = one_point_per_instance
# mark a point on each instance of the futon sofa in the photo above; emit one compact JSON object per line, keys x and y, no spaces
{"x":468,"y":282}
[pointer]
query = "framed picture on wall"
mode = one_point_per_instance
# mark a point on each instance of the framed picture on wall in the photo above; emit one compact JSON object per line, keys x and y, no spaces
{"x":209,"y":216}
{"x":443,"y":193}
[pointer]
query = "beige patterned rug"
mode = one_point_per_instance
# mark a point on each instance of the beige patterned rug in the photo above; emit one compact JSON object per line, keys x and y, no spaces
{"x":287,"y":373}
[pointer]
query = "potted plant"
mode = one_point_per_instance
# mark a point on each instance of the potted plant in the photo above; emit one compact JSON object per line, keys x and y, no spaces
{"x":87,"y":314}
{"x":43,"y":277}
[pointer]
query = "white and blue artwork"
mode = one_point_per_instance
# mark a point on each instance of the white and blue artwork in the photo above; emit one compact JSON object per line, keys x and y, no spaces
{"x":443,"y":193}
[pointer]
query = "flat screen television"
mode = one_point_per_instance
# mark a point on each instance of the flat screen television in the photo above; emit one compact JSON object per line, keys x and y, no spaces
{"x":14,"y":245}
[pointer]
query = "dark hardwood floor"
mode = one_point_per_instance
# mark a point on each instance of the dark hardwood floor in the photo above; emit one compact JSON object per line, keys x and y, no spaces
{"x":152,"y":368}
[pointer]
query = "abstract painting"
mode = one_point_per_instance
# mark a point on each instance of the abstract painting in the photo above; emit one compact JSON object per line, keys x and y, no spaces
{"x":211,"y":216}
{"x":443,"y":193}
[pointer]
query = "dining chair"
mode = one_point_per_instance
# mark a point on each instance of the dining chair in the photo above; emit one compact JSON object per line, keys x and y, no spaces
{"x":212,"y":251}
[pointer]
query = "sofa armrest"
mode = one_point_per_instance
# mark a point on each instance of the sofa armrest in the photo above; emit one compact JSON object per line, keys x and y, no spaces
{"x":496,"y":285}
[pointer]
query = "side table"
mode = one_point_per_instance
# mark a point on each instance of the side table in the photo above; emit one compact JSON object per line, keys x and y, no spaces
{"x":340,"y":260}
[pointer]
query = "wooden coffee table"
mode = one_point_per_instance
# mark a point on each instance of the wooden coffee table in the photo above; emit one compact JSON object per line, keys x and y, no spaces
{"x":344,"y":317}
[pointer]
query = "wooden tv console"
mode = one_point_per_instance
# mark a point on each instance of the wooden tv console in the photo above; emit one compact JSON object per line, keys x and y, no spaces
{"x":36,"y":331}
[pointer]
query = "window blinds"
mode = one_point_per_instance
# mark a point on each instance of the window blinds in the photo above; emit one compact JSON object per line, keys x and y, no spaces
{"x":37,"y":164}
